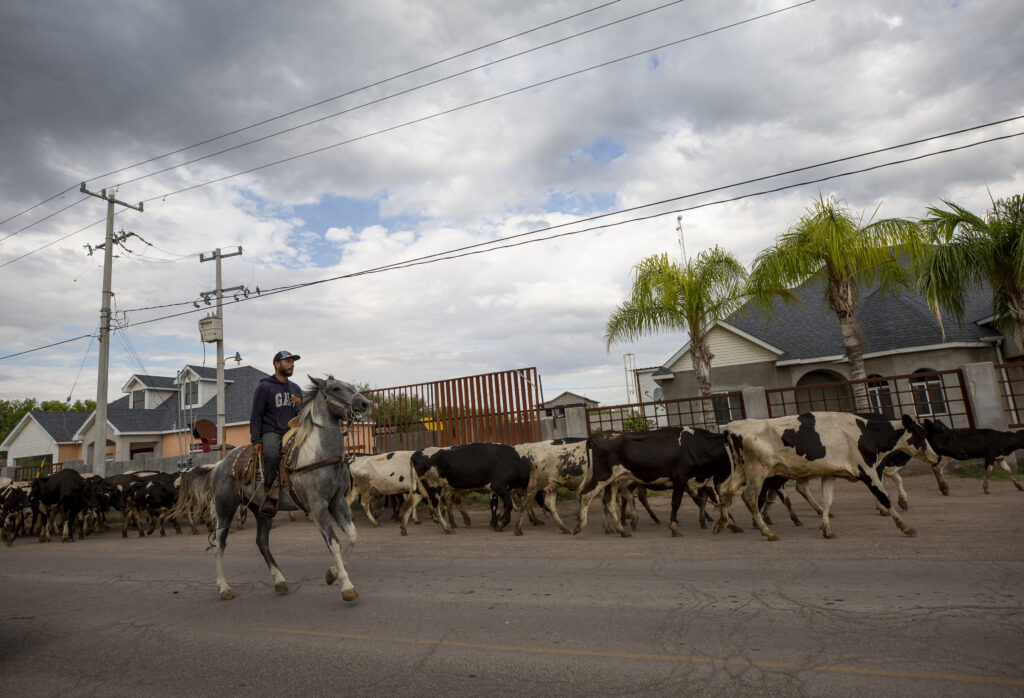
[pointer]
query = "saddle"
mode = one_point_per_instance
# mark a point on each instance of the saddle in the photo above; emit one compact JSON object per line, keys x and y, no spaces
{"x":247,"y":468}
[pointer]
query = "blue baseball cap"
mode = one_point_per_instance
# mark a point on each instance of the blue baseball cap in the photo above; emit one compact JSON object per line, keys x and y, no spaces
{"x":285,"y":355}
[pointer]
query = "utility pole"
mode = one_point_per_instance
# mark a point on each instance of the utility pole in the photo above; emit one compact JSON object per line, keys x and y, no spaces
{"x":682,"y":242}
{"x":216,"y":256}
{"x":100,"y":427}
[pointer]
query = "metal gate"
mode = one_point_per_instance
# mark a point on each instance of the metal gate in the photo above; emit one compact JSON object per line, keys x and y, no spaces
{"x":681,"y":412}
{"x":502,"y":407}
{"x":937,"y":395}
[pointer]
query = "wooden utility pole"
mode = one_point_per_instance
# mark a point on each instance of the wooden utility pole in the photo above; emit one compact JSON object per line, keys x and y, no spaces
{"x":216,"y":256}
{"x":100,"y":427}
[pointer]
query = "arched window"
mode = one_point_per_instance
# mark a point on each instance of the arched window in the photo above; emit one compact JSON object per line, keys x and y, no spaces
{"x":928,"y":393}
{"x":880,"y":396}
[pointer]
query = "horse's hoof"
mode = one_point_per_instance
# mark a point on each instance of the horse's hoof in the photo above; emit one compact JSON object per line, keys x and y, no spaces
{"x":332,"y":576}
{"x":281,"y":587}
{"x":226,"y":595}
{"x":349,"y":595}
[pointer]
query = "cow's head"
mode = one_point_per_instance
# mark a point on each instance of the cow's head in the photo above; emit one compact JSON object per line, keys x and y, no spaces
{"x":944,"y":440}
{"x":917,"y":438}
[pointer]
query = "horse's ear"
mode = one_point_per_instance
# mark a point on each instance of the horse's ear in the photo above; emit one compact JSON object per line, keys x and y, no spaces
{"x":316,"y":381}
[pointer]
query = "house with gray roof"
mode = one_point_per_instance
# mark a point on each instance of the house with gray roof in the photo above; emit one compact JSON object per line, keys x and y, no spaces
{"x":158,"y":415}
{"x":43,"y":438}
{"x":799,"y":343}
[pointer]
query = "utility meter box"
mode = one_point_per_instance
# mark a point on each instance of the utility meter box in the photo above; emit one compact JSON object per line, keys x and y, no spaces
{"x":211,"y":329}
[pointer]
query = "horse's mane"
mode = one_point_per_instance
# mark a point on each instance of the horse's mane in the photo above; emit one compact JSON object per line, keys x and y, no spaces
{"x":305,"y":427}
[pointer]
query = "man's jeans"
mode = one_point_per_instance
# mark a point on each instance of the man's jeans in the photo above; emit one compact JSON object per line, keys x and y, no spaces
{"x":271,"y":456}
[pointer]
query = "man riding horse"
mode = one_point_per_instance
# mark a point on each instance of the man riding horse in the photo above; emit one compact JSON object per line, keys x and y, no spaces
{"x":275,"y":402}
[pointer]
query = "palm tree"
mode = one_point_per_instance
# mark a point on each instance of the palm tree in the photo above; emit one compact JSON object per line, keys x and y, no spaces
{"x":689,"y":298}
{"x":833,"y":243}
{"x":972,"y":249}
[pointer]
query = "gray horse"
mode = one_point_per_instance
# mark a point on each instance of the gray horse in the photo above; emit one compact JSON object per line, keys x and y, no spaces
{"x":319,"y":479}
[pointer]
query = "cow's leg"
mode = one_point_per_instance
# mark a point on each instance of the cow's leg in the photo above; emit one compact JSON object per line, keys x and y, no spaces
{"x":531,"y":492}
{"x":726,"y":490}
{"x":506,"y":515}
{"x":641,"y":494}
{"x":625,"y":500}
{"x":677,"y":497}
{"x":609,"y":502}
{"x":902,"y":493}
{"x":751,"y":493}
{"x":801,"y":488}
{"x":445,"y":510}
{"x":764,"y":501}
{"x":828,"y":487}
{"x":870,"y":478}
{"x":365,"y":498}
{"x":700,"y":499}
{"x":988,"y":473}
{"x":408,"y":510}
{"x":1005,"y":465}
{"x":939,"y":478}
{"x":551,"y":504}
{"x":342,"y":515}
{"x":585,"y":499}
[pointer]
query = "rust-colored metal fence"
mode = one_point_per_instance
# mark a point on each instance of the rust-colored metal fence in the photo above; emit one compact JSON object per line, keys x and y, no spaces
{"x":720,"y":409}
{"x":1011,"y":378}
{"x":937,"y":395}
{"x":502,"y":407}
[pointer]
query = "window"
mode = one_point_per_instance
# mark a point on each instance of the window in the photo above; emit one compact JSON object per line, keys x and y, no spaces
{"x":138,"y":399}
{"x":929,"y":395}
{"x":727,"y":408}
{"x":880,"y":397}
{"x":191,"y":393}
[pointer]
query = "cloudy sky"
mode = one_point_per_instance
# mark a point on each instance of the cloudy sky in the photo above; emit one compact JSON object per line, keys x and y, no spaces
{"x":331,"y":139}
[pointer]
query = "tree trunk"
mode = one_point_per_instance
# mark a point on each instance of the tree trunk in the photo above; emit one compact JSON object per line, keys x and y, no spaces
{"x":855,"y":355}
{"x":701,"y":356}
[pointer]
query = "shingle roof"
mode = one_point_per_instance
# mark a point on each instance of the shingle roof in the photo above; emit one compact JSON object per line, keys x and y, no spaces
{"x":158,"y":382}
{"x":809,"y":329}
{"x":60,"y":425}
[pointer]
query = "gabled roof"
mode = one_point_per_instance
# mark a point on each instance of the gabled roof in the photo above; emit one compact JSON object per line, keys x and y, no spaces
{"x":152,"y":382}
{"x":582,"y":399}
{"x":891,"y":321}
{"x":61,"y":426}
{"x":239,"y":386}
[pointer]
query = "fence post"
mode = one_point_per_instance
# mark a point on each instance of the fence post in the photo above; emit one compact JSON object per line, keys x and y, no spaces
{"x":985,"y":395}
{"x":755,"y":403}
{"x":576,"y":422}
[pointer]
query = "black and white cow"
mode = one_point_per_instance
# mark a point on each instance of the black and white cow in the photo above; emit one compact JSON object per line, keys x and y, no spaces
{"x":826,"y":445}
{"x":553,"y":464}
{"x":992,"y":445}
{"x":385,"y":474}
{"x":670,"y":454}
{"x":63,"y":493}
{"x":15,"y":508}
{"x":474,"y":467}
{"x":154,"y":495}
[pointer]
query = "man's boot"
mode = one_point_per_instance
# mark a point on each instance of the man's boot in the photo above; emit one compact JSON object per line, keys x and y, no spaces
{"x":269,"y":506}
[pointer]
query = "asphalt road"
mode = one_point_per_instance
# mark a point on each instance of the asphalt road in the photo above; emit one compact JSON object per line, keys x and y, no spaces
{"x":870,"y":612}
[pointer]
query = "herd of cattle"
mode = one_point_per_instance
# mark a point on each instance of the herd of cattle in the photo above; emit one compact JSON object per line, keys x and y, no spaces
{"x":756,"y":457}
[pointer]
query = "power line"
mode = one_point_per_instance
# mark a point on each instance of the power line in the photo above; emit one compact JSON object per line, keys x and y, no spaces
{"x":308,"y":106}
{"x":430,"y":116}
{"x":476,"y":103}
{"x":471,"y":250}
{"x":393,"y":95}
{"x":673,"y":199}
